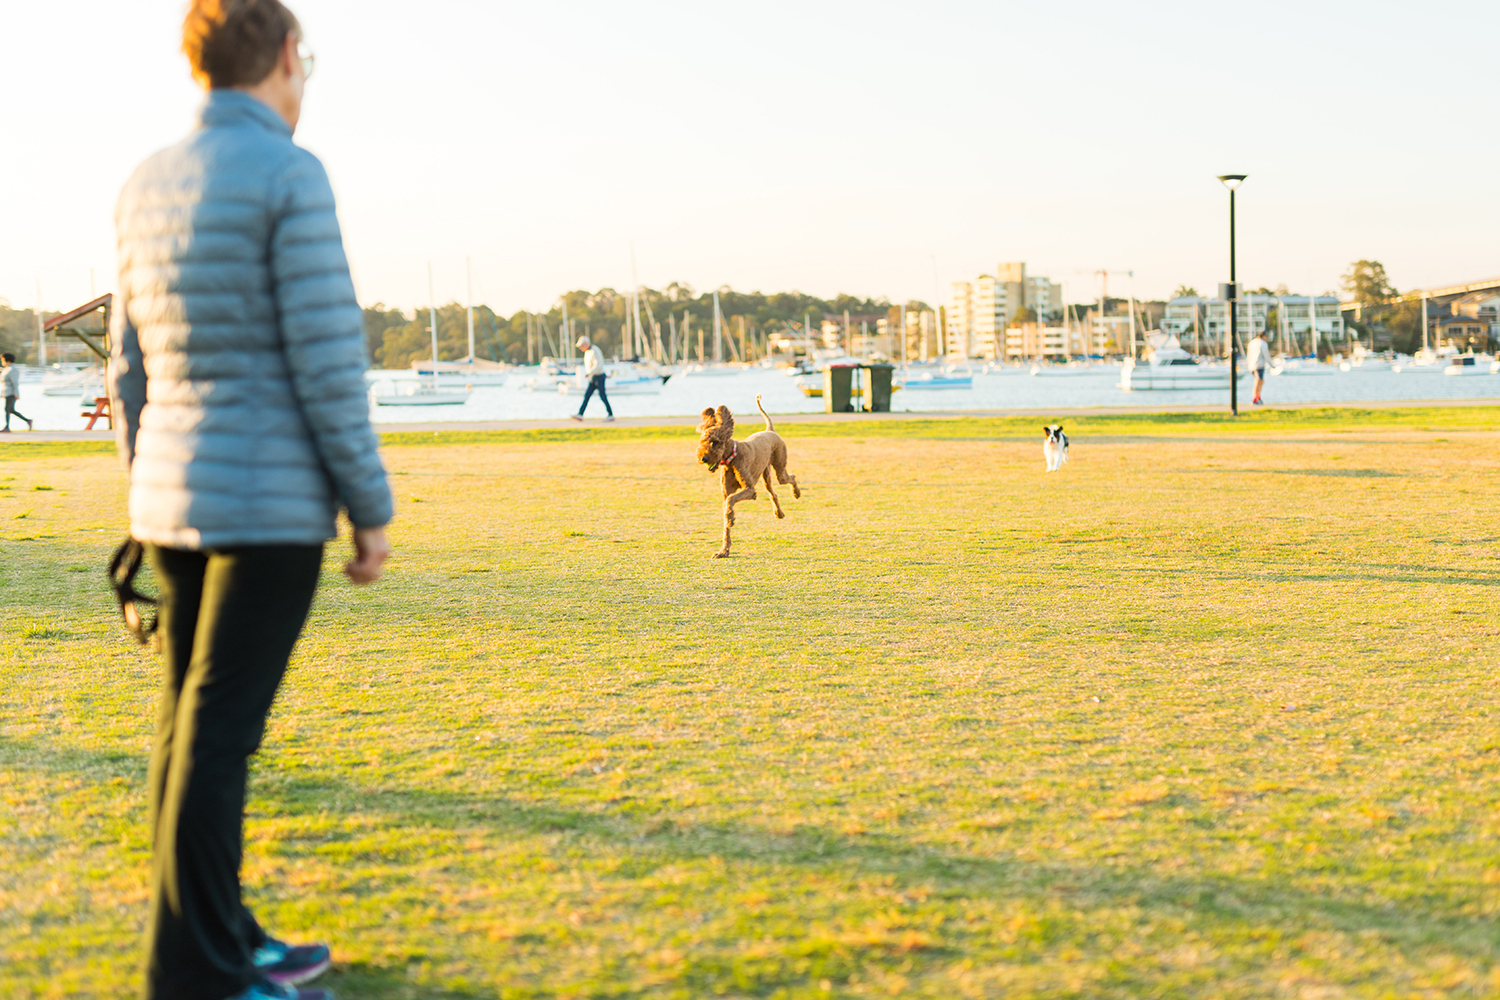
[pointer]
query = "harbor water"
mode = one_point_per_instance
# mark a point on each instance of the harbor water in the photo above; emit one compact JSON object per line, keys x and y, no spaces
{"x":1002,"y":389}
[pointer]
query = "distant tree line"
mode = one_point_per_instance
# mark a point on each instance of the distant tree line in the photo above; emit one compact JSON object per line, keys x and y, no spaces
{"x":17,"y":331}
{"x":396,"y":339}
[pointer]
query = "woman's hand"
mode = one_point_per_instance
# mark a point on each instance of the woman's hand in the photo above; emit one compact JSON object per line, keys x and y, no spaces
{"x":370,"y":550}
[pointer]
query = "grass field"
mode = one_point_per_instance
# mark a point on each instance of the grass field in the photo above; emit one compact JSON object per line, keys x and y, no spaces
{"x":1212,"y":712}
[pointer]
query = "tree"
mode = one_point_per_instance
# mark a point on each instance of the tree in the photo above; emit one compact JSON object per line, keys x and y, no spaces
{"x":1404,"y":323}
{"x":1022,"y":316}
{"x":1366,"y":283}
{"x":1185,"y":292}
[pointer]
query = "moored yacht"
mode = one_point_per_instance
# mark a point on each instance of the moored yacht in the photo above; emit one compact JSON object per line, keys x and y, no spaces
{"x":1168,"y":366}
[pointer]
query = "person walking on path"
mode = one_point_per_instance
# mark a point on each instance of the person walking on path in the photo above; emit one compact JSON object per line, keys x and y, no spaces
{"x":236,"y":378}
{"x":593,"y":370}
{"x":11,"y":380}
{"x":1260,"y":360}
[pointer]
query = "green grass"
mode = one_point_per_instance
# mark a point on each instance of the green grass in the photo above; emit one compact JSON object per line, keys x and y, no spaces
{"x":1210,"y":713}
{"x":1260,"y":421}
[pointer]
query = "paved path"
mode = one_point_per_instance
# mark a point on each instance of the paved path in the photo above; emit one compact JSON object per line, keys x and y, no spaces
{"x":798,"y":418}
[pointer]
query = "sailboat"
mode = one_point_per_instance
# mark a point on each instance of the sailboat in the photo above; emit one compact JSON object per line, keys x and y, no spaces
{"x":469,"y":371}
{"x":419,"y":393}
{"x":717,"y":366}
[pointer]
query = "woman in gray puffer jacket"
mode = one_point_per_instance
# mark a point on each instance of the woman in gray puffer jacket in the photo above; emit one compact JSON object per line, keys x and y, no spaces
{"x":237,"y":384}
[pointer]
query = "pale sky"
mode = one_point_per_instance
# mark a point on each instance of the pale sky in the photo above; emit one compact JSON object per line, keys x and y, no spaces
{"x":818,"y":146}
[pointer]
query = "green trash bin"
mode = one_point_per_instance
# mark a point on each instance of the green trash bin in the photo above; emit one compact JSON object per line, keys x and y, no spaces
{"x":879,"y":391}
{"x":837,"y":381}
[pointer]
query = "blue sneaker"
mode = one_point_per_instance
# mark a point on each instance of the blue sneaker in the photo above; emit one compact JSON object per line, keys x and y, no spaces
{"x":288,"y":965}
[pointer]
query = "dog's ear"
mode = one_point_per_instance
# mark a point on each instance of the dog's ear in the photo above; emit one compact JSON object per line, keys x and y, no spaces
{"x":709,"y":419}
{"x":726,"y":419}
{"x":1059,"y":428}
{"x":1047,"y":431}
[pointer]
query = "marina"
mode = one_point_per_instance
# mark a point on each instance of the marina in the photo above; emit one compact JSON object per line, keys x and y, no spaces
{"x":528,"y":394}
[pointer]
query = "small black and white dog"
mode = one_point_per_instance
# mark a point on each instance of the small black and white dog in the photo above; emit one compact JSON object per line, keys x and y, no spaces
{"x":1054,"y":447}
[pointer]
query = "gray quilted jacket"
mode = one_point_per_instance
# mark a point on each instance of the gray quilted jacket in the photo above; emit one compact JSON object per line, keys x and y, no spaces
{"x":238,"y":355}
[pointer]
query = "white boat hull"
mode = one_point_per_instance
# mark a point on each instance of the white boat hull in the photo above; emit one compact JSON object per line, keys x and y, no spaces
{"x":569,"y":387}
{"x":1134,"y":378}
{"x":712,"y":370}
{"x":420,"y":396}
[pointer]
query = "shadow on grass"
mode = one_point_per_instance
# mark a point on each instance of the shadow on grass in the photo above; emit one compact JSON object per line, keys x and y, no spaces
{"x":1341,"y":473}
{"x":383,"y":982}
{"x":1410,"y":925}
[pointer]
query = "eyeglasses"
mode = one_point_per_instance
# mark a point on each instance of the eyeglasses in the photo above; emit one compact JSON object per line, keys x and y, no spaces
{"x":308,"y":59}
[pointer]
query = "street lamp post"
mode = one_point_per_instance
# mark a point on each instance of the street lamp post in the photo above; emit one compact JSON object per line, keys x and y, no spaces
{"x":1231,"y":296}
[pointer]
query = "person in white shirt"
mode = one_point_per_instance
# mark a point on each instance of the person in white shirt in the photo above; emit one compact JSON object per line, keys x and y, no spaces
{"x":12,"y":381}
{"x":593,"y":370}
{"x":1260,"y":360}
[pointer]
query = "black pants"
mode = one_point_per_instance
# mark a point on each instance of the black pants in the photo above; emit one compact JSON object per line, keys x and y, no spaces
{"x":596,"y":384}
{"x":10,"y":407}
{"x":229,"y":619}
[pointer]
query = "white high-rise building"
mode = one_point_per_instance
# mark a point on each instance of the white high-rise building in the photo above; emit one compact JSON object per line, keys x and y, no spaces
{"x":981,"y":310}
{"x":960,"y":323}
{"x":1045,"y":298}
{"x":988,"y":317}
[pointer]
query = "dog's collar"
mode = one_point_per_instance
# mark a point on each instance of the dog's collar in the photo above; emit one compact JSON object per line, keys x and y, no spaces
{"x":733,"y":451}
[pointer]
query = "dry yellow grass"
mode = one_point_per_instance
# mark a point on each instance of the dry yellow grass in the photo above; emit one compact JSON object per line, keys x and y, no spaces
{"x":1211,"y":712}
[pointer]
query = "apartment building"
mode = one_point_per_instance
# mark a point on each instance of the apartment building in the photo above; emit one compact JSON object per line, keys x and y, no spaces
{"x":1294,"y":323}
{"x":1045,"y":298}
{"x":989,"y":316}
{"x":960,"y":326}
{"x":981,"y":310}
{"x":1037,"y":341}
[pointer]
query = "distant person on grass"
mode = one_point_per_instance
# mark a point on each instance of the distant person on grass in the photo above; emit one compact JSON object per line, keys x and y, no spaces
{"x":1260,"y":360}
{"x":593,"y":370}
{"x":11,"y":379}
{"x":237,"y":383}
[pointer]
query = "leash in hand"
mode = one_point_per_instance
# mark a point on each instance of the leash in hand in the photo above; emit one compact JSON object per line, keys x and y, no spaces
{"x":123,"y":567}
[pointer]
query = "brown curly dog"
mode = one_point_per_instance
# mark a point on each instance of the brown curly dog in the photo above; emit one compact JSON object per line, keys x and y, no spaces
{"x":744,"y":462}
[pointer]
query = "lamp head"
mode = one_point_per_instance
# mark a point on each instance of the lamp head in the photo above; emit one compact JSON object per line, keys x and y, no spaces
{"x":1232,"y":181}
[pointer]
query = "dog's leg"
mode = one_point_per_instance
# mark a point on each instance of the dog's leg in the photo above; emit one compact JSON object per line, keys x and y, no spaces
{"x":778,"y":462}
{"x":775,"y":500}
{"x":748,"y":493}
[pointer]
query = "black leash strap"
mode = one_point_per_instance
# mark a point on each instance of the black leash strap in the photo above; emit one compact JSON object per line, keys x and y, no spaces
{"x":123,"y":567}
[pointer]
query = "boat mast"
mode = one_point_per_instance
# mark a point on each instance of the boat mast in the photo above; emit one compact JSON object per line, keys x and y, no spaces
{"x":432,"y":322}
{"x":469,"y":271}
{"x":1424,"y":321}
{"x":41,"y":339}
{"x":718,"y":331}
{"x":566,"y":332}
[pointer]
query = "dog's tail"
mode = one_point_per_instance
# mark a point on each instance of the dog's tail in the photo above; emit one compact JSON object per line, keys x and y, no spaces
{"x":763,"y":413}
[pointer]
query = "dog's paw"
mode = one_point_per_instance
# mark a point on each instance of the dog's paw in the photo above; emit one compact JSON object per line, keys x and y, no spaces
{"x":720,"y":555}
{"x":781,"y":513}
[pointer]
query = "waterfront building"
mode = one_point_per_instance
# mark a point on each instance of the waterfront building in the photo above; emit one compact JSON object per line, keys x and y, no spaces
{"x":959,"y":326}
{"x":1108,"y":335}
{"x":1045,"y":297}
{"x":980,"y":311}
{"x":1295,"y":324}
{"x":988,"y":316}
{"x":1465,"y":333}
{"x":1038,"y":341}
{"x":1483,"y":306}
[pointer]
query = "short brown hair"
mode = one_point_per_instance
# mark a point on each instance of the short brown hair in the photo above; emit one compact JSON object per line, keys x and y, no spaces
{"x":235,"y":43}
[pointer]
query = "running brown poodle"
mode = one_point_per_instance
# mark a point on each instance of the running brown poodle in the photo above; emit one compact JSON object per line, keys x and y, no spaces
{"x":744,"y":462}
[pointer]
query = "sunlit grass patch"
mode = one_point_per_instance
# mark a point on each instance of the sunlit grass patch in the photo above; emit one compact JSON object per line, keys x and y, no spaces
{"x":1204,"y":714}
